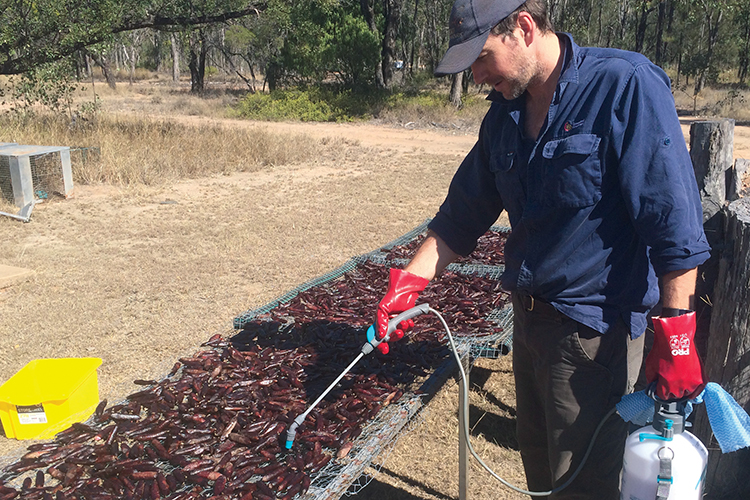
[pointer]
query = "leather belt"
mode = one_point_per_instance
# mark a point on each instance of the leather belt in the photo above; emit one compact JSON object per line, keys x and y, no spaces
{"x":533,"y":304}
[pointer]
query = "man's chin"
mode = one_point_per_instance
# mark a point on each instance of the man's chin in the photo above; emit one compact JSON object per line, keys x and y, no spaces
{"x":512,"y":94}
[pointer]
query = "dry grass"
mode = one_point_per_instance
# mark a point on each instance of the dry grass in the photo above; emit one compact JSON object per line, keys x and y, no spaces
{"x":715,"y":102}
{"x":123,"y":74}
{"x":433,"y":110}
{"x":128,"y":150}
{"x":424,"y":465}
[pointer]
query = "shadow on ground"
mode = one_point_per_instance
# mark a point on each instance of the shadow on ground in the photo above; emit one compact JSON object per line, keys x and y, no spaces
{"x":383,"y":491}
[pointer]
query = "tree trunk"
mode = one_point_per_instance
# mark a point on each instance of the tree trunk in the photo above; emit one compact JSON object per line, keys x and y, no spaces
{"x":414,"y":39}
{"x":660,"y":18}
{"x":713,"y":37}
{"x":175,"y":47}
{"x":587,"y":16}
{"x":103,"y":62}
{"x":392,"y":10}
{"x":640,"y":34}
{"x":456,"y":87}
{"x":468,"y":76}
{"x":679,"y":59}
{"x":711,"y":152}
{"x":78,"y":61}
{"x":157,"y":52}
{"x":132,"y":54}
{"x":197,"y":63}
{"x":745,"y":53}
{"x":623,"y":12}
{"x":670,"y":24}
{"x":728,"y":358}
{"x":369,"y":14}
{"x":563,"y":12}
{"x":734,"y":182}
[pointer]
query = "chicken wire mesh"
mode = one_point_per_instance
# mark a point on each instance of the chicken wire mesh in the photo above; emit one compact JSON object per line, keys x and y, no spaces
{"x":46,"y":175}
{"x":242,"y":320}
{"x":6,"y":187}
{"x":379,"y":458}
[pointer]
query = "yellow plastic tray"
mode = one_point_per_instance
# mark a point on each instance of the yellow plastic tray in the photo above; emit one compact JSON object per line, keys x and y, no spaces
{"x":48,"y":395}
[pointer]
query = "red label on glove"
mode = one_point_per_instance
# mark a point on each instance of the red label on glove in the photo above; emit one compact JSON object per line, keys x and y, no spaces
{"x":673,"y":362}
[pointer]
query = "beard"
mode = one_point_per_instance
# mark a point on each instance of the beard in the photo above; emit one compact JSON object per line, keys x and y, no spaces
{"x":528,"y":71}
{"x":527,"y":74}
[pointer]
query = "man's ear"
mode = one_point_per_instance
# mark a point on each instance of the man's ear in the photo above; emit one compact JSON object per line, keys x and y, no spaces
{"x":527,"y":25}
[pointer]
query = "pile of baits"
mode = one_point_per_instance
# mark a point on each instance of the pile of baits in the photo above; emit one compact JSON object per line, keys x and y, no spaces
{"x":214,"y":427}
{"x":490,"y":250}
{"x":465,"y":302}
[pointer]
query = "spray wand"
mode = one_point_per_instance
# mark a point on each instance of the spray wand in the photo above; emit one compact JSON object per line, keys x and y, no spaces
{"x":367,"y":348}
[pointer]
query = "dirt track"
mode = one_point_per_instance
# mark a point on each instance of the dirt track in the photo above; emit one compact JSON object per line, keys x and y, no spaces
{"x":139,"y":277}
{"x":408,"y":141}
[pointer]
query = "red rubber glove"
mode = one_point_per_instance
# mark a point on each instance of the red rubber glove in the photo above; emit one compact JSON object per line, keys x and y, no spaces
{"x":673,"y":361}
{"x":403,"y":290}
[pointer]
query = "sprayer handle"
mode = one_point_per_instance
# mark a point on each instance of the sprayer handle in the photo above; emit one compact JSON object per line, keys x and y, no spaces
{"x":372,"y":339}
{"x":408,"y":314}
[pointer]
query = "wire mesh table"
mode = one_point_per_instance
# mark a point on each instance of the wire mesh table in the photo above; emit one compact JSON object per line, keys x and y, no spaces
{"x":222,"y":379}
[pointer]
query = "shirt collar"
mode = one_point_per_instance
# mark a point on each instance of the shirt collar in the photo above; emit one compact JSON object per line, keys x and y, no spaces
{"x":571,"y":54}
{"x":569,"y":73}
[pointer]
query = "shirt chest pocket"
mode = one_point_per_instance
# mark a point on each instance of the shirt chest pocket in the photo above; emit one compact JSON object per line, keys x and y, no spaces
{"x":571,"y":174}
{"x":504,"y":166}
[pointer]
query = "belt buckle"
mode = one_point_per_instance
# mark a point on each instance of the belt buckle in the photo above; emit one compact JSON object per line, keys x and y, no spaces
{"x":531,"y":305}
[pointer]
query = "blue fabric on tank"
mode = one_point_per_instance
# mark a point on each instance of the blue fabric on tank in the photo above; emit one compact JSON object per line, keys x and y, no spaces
{"x":729,"y":422}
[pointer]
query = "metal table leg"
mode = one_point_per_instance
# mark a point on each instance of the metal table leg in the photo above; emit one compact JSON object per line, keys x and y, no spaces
{"x":463,"y":448}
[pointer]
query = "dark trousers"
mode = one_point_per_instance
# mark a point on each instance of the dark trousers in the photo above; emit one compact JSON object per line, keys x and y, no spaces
{"x":568,"y":376}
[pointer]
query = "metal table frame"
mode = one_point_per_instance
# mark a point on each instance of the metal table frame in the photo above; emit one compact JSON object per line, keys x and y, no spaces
{"x":463,"y":446}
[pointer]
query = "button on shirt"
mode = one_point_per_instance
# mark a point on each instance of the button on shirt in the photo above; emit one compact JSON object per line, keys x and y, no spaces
{"x":603,"y":202}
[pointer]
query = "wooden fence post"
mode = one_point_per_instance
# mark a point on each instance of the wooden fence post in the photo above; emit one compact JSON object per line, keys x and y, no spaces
{"x":728,"y":356}
{"x":712,"y":152}
{"x":734,"y":186}
{"x":723,"y":292}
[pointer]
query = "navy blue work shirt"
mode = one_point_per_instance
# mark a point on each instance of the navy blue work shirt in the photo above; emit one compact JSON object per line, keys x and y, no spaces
{"x":603,"y":202}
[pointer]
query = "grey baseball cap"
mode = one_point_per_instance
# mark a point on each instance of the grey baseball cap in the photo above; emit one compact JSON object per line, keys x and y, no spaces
{"x":470,"y":25}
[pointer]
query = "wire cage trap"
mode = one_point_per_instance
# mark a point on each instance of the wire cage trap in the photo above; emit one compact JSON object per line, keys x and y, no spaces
{"x":32,"y":173}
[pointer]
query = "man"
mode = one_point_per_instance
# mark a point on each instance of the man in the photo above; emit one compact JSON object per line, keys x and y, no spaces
{"x":583,"y":149}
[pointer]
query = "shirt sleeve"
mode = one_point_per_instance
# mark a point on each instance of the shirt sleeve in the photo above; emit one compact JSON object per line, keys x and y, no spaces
{"x":656,"y":174}
{"x":473,"y":203}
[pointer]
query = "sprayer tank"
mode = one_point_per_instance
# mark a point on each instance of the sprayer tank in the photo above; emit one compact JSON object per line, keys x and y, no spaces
{"x":643,"y":458}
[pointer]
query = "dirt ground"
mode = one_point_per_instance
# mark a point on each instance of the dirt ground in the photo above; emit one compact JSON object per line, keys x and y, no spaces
{"x":139,"y":277}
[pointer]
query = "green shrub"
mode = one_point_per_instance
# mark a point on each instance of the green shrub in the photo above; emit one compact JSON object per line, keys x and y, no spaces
{"x":332,"y":104}
{"x":285,"y":105}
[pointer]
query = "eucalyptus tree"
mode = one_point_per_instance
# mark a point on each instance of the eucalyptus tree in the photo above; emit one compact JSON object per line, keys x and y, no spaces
{"x":43,"y":31}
